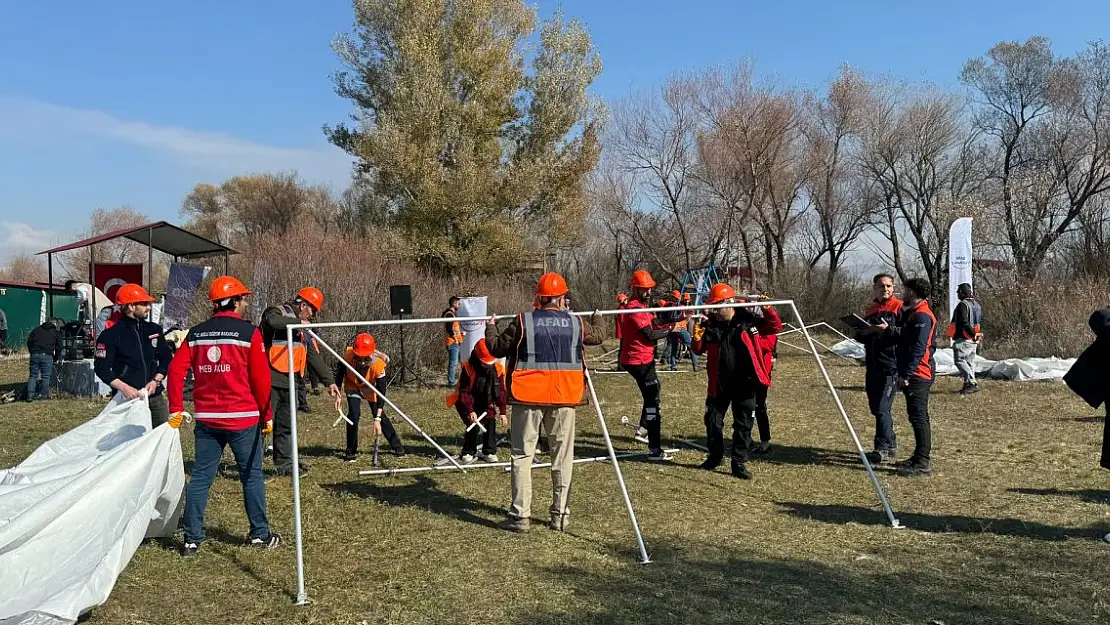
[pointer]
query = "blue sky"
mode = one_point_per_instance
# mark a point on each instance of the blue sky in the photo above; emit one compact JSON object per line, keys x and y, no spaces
{"x":128,"y":102}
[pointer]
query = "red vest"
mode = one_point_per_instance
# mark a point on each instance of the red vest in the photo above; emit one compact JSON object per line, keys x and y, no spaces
{"x":636,"y":349}
{"x":222,"y":396}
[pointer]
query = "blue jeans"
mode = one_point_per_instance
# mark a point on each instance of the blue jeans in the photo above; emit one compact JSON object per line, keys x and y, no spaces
{"x":452,"y":363}
{"x":246,"y":446}
{"x":881,"y":388}
{"x":42,"y":365}
{"x":673,"y":339}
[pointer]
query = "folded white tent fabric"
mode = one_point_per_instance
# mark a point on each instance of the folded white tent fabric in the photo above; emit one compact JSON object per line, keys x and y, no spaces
{"x":1015,"y":369}
{"x":74,"y":512}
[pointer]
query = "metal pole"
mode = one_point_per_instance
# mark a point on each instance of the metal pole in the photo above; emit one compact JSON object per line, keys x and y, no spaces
{"x":150,"y":258}
{"x":843,"y":413}
{"x":501,"y":465}
{"x":302,"y":596}
{"x":386,"y":400}
{"x":644,"y":559}
{"x":50,"y":281}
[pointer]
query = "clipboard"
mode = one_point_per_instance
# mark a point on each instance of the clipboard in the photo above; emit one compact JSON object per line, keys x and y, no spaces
{"x":855,"y":322}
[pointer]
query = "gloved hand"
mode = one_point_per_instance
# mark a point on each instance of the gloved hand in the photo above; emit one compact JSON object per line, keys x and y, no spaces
{"x":698,"y":332}
{"x":268,"y":427}
{"x":177,"y":418}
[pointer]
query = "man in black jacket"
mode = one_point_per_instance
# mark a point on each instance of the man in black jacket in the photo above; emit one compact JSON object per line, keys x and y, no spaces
{"x":133,"y":355}
{"x":45,"y":345}
{"x":1087,"y":377}
{"x":881,"y":381}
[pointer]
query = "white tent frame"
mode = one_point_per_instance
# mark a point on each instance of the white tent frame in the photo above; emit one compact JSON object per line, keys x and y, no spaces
{"x":310,"y":328}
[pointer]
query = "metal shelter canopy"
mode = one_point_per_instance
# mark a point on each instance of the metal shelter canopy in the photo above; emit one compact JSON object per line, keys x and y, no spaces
{"x":159,"y":235}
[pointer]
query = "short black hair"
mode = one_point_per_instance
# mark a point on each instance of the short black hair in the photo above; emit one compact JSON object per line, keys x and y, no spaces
{"x":229,"y":306}
{"x":70,"y":284}
{"x":880,"y":276}
{"x":451,"y":301}
{"x":920,"y":287}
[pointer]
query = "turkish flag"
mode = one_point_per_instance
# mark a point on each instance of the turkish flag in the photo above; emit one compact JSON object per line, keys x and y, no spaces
{"x":108,"y":277}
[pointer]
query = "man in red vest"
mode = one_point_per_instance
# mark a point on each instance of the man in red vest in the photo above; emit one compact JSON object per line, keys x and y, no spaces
{"x":231,"y":399}
{"x":639,"y":333}
{"x":546,"y":383}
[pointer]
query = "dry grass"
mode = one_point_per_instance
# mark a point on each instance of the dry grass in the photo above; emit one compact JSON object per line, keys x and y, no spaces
{"x":1006,"y":532}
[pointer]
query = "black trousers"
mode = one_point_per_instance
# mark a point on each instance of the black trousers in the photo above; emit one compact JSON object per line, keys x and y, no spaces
{"x":489,"y":439}
{"x":743,"y":403}
{"x":761,"y":413}
{"x":354,"y":412}
{"x":650,"y":415}
{"x":283,"y":430}
{"x":917,"y":407}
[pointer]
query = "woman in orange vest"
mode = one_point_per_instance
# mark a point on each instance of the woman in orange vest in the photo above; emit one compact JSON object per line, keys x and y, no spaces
{"x":481,"y":389}
{"x":364,"y":356}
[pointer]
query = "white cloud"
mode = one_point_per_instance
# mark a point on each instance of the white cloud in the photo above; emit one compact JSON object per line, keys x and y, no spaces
{"x":21,"y":238}
{"x":214,"y":152}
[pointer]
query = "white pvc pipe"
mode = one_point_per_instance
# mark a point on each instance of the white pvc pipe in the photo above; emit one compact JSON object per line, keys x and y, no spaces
{"x":388,"y":402}
{"x":847,"y":421}
{"x":644,"y":559}
{"x":477,"y":422}
{"x":302,"y":595}
{"x":498,"y":465}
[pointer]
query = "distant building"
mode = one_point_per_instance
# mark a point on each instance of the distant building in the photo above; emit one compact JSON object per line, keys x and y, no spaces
{"x":26,"y":307}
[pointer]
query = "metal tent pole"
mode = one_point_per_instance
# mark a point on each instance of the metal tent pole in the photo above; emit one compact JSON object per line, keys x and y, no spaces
{"x":847,"y":421}
{"x":302,"y":596}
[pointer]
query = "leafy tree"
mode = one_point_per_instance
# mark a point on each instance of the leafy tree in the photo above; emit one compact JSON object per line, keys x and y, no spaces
{"x":475,"y":158}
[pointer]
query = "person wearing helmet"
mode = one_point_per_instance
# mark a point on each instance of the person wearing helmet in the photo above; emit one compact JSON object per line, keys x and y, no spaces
{"x":132,"y":355}
{"x":679,"y":336}
{"x":545,"y":384}
{"x":481,"y":390}
{"x":737,"y":368}
{"x":639,"y":333}
{"x":371,"y":364}
{"x":231,"y":402}
{"x":275,"y":319}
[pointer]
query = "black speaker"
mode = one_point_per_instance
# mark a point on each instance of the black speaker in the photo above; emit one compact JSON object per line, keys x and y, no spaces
{"x":400,"y":299}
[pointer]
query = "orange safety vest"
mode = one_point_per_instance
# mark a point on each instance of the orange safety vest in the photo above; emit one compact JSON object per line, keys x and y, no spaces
{"x":549,"y":369}
{"x":453,"y":398}
{"x":279,"y":349}
{"x":374,"y":371}
{"x":456,"y":336}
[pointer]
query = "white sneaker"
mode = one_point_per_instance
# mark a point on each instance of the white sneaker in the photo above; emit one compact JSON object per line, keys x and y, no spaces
{"x":659,"y":455}
{"x":1106,"y":538}
{"x":442,"y":462}
{"x":466,"y":459}
{"x":488,"y":457}
{"x":642,"y":435}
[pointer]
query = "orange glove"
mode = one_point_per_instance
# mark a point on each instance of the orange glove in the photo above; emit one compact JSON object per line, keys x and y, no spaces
{"x":177,"y":418}
{"x":268,"y":427}
{"x":698,"y":332}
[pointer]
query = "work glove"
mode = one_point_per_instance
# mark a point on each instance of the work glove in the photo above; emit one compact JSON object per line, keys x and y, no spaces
{"x":698,"y":332}
{"x":177,"y":418}
{"x":268,"y":427}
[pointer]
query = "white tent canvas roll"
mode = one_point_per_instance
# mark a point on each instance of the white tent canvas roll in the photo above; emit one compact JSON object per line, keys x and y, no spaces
{"x":74,"y":512}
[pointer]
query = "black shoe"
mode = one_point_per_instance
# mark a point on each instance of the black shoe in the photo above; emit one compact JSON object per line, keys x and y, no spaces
{"x":400,"y":452}
{"x":350,"y":456}
{"x":880,"y":456}
{"x":915,"y":467}
{"x":189,"y":550}
{"x":970,"y":389}
{"x":304,"y":408}
{"x":709,"y":465}
{"x":270,"y":542}
{"x":741,"y":471}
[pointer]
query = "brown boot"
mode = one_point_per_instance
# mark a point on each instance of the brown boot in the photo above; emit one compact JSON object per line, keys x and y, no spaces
{"x":560,"y":522}
{"x":515,"y":524}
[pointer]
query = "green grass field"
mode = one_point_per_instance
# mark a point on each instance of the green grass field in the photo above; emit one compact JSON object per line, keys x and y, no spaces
{"x":1007,"y":530}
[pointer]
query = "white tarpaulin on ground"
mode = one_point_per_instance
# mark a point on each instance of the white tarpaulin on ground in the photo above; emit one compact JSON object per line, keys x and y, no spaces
{"x":1016,"y":369}
{"x":74,"y":512}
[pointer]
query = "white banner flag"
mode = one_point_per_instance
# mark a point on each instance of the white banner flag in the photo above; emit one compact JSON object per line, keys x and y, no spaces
{"x":959,"y":259}
{"x":472,"y":330}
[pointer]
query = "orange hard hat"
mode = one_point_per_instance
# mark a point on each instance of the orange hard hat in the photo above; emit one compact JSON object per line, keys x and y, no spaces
{"x":364,"y":345}
{"x":641,"y":279}
{"x":225,"y":287}
{"x":661,"y":303}
{"x":132,"y":294}
{"x":686,"y":297}
{"x":621,"y":298}
{"x":313,"y":296}
{"x":676,"y":295}
{"x":720,"y":292}
{"x":482,"y":351}
{"x":551,"y":284}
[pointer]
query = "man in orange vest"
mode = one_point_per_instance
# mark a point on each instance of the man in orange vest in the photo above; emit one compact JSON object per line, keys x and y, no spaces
{"x":453,"y":341}
{"x":481,"y":390}
{"x":546,"y":383}
{"x":371,"y":364}
{"x":231,"y":399}
{"x":275,"y":319}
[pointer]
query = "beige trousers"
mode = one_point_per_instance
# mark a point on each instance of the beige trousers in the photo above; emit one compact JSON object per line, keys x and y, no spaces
{"x":525,"y":424}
